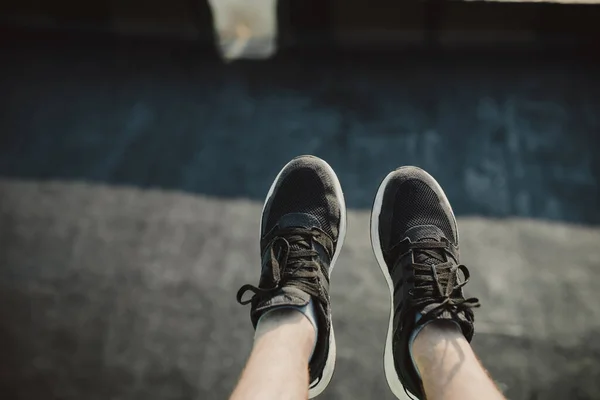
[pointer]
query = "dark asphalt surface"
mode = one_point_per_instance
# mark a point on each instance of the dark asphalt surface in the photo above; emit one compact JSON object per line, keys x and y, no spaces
{"x":505,"y":136}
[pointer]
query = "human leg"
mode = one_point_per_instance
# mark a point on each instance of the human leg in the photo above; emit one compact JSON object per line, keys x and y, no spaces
{"x":415,"y":240}
{"x":448,"y":366}
{"x":276,"y":369}
{"x":302,"y":231}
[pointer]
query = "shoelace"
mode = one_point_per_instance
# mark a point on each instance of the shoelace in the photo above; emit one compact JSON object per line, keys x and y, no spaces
{"x":292,"y":262}
{"x":437,"y":282}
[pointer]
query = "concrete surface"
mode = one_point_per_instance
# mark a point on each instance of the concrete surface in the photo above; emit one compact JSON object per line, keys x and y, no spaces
{"x":124,"y":293}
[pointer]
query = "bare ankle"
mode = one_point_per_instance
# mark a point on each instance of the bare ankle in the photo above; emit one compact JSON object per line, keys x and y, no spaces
{"x":435,"y":337}
{"x":448,"y":365}
{"x":289,"y":323}
{"x":435,"y":331}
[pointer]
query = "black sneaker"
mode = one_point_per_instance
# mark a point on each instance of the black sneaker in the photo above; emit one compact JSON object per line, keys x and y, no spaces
{"x":302,"y":230}
{"x":415,"y":240}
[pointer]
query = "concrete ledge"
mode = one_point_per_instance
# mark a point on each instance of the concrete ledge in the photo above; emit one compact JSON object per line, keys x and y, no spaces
{"x":335,"y":22}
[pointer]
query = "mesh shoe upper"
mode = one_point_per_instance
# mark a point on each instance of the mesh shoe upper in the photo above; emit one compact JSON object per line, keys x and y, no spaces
{"x":411,"y":200}
{"x":304,"y":187}
{"x":419,"y":242}
{"x":299,"y":236}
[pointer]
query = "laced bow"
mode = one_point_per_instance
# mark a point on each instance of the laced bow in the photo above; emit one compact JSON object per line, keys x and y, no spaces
{"x":291,"y":260}
{"x":437,"y":283}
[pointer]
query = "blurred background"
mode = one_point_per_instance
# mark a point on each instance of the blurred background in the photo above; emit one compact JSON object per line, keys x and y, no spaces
{"x":137,"y":144}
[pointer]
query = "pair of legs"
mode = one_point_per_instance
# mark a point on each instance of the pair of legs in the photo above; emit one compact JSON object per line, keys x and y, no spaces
{"x":415,"y":241}
{"x":449,"y":368}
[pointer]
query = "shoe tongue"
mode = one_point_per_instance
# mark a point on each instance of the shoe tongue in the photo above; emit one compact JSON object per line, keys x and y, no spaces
{"x":425,"y":233}
{"x":299,"y":220}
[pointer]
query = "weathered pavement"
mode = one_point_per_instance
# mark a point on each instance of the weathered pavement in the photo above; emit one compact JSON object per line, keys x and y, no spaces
{"x":122,"y":293}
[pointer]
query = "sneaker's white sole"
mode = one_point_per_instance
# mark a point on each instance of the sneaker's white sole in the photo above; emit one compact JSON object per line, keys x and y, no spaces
{"x":389,"y":367}
{"x":330,"y":363}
